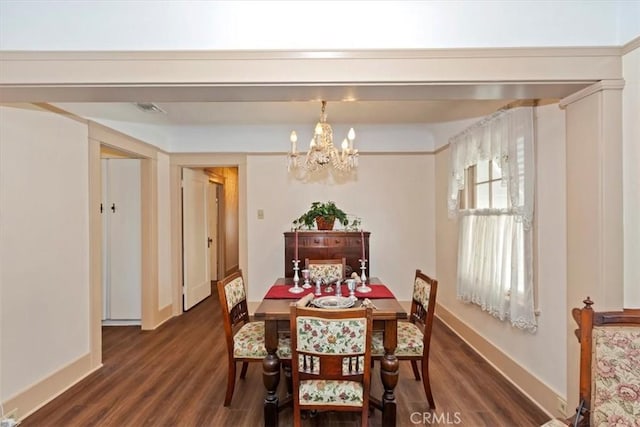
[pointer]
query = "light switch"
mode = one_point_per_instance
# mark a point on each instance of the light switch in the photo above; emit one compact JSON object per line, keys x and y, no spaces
{"x":260,"y":214}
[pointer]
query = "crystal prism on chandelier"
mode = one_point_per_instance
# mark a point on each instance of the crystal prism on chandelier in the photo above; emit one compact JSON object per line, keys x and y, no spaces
{"x":322,"y":152}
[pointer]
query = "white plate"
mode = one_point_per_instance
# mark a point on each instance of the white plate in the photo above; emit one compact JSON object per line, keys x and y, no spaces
{"x":333,"y":302}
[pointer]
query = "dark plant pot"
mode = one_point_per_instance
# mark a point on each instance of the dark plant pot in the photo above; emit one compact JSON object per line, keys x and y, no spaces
{"x":325,"y":224}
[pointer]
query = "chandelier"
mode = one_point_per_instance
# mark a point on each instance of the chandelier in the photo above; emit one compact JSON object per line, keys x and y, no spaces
{"x":322,"y":152}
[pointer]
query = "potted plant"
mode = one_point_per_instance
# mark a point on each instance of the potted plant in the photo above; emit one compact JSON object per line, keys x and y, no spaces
{"x":323,"y":214}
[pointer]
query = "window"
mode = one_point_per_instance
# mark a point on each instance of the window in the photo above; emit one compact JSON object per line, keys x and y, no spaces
{"x":491,"y":194}
{"x":486,"y":190}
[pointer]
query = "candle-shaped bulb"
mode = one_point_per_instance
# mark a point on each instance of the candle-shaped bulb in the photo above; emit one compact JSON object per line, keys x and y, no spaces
{"x":318,"y":128}
{"x":312,"y":144}
{"x":294,"y":139}
{"x":351,"y":135}
{"x":345,"y":144}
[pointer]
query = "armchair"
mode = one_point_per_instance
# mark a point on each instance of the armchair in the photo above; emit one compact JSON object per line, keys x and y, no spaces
{"x":414,"y":336}
{"x":331,"y":360}
{"x":245,"y":339}
{"x":609,"y":368}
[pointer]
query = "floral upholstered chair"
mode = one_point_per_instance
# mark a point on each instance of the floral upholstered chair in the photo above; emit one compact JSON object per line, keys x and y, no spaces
{"x":328,"y":269}
{"x":331,"y":360}
{"x":609,"y":368}
{"x":245,"y":339}
{"x":414,"y":336}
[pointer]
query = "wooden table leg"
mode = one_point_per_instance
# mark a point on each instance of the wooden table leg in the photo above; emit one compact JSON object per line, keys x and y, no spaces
{"x":271,"y":373}
{"x":389,"y":372}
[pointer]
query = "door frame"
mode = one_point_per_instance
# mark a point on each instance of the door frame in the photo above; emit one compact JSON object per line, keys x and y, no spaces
{"x":216,"y":182}
{"x":203,"y":160}
{"x":100,"y":135}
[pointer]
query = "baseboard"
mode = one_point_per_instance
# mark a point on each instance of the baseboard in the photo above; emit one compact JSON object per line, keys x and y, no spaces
{"x":42,"y":392}
{"x":537,"y":391}
{"x":110,"y":322}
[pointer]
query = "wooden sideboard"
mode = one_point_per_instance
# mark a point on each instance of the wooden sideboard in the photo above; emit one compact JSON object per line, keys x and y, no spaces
{"x":326,"y":245}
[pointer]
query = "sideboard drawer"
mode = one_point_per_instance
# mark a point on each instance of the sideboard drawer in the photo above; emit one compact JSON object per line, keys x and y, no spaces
{"x":312,"y":241}
{"x":333,"y":242}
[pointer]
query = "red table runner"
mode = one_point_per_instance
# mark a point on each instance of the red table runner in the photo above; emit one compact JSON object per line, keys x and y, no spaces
{"x":282,"y":292}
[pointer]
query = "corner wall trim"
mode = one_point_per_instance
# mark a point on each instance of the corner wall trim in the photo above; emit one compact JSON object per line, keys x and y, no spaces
{"x":534,"y":389}
{"x":39,"y":394}
{"x":596,"y":87}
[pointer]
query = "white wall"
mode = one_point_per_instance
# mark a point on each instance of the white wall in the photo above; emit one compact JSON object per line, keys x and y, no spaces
{"x":631,"y":176}
{"x":394,"y":195}
{"x":44,"y":246}
{"x":543,"y":354}
{"x":274,"y":138}
{"x":140,"y":25}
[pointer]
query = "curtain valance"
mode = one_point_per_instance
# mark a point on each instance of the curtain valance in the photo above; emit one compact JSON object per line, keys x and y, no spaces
{"x":505,"y":137}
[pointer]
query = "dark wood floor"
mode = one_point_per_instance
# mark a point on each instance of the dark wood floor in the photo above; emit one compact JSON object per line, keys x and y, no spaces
{"x":176,"y":376}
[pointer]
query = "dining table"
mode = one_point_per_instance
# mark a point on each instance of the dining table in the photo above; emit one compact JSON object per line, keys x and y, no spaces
{"x":274,"y":310}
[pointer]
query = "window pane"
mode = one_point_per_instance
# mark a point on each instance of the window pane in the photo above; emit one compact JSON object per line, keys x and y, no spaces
{"x":482,"y":171}
{"x":499,"y":194}
{"x":496,"y":171}
{"x":482,"y":196}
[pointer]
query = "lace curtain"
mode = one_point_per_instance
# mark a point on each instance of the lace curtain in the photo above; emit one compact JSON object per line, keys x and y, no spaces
{"x":495,"y":245}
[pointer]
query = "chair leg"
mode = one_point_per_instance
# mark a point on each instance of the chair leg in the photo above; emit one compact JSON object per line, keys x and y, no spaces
{"x":364,"y":416}
{"x":231,"y":382}
{"x":416,"y":373}
{"x":427,"y":384}
{"x":288,"y":378}
{"x":243,"y":372}
{"x":297,"y":420}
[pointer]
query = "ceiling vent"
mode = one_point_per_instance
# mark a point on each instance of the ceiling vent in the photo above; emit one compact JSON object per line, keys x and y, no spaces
{"x":150,"y":107}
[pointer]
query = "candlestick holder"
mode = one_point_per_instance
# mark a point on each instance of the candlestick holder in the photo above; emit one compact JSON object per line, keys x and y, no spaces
{"x":296,"y":289}
{"x":363,"y":288}
{"x":318,"y":286}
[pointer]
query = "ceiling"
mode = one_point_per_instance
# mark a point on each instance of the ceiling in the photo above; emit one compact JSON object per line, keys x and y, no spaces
{"x":268,"y":113}
{"x":266,"y":105}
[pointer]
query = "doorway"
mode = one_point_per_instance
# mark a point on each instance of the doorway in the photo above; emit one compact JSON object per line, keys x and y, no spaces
{"x":120,"y":209}
{"x":209,"y":230}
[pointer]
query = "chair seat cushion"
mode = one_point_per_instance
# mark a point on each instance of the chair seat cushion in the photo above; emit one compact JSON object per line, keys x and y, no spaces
{"x":410,"y":341}
{"x":248,"y":343}
{"x":335,"y":392}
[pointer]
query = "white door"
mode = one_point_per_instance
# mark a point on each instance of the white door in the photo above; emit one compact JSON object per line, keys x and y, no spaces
{"x":194,"y":225}
{"x":123,"y":247}
{"x":212,"y":240}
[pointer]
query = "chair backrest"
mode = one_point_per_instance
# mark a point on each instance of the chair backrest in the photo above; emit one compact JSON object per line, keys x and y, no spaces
{"x":233,"y":302}
{"x":609,"y":365}
{"x":328,"y":269}
{"x":331,"y":345}
{"x":423,"y":305}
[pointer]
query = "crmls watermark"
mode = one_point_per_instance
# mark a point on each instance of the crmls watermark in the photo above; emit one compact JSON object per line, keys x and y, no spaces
{"x":427,"y":418}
